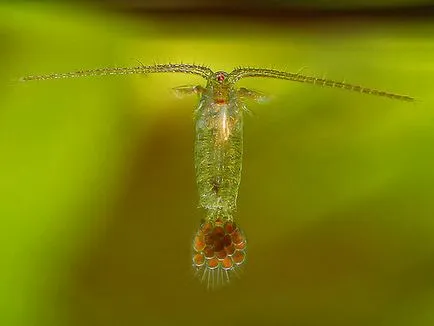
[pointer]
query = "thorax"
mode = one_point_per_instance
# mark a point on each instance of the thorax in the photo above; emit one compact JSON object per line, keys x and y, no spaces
{"x":220,"y":112}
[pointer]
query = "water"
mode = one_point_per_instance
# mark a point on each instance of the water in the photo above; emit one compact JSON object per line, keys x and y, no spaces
{"x":219,"y":246}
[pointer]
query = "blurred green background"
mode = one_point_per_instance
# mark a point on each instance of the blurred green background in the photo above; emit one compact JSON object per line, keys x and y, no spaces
{"x":98,"y":198}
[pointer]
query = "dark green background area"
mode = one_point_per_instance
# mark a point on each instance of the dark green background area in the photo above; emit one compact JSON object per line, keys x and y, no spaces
{"x":98,"y":198}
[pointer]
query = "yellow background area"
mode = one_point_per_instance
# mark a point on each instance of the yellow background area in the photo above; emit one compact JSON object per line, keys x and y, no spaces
{"x":98,"y":204}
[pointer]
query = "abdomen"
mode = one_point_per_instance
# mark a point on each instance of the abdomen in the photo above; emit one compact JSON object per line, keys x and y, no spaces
{"x":218,"y":156}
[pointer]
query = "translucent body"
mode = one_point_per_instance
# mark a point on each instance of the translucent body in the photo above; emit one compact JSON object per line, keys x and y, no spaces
{"x":218,"y":150}
{"x":219,"y":245}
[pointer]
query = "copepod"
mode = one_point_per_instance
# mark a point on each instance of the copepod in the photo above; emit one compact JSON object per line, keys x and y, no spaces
{"x":219,"y":245}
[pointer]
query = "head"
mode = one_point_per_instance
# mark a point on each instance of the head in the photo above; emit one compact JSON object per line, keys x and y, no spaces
{"x":221,"y":86}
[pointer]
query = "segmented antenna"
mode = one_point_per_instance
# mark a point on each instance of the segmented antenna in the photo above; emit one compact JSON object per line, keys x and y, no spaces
{"x":240,"y":73}
{"x":233,"y":77}
{"x":182,"y":68}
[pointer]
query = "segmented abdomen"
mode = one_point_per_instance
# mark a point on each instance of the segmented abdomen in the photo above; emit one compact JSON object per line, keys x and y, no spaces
{"x":218,"y":156}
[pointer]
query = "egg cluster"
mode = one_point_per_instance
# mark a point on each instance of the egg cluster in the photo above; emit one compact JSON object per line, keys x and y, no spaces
{"x":219,"y":245}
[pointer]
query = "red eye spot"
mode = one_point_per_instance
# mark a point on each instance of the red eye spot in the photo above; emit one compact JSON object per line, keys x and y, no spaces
{"x":220,"y":77}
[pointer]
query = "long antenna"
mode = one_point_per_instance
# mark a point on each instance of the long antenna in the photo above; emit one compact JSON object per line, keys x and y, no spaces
{"x":182,"y":68}
{"x":234,"y":76}
{"x":240,"y":73}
